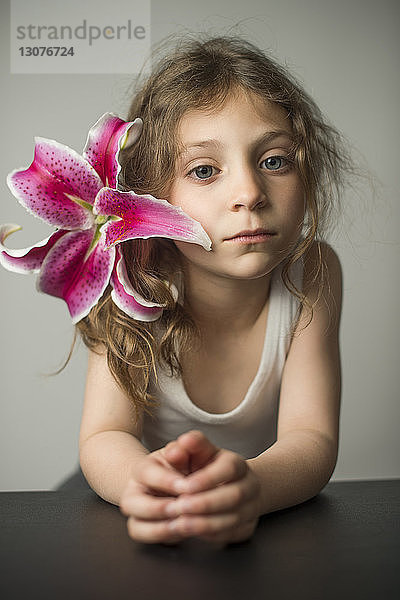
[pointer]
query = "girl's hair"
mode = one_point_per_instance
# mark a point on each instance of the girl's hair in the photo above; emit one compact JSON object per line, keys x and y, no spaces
{"x":201,"y":74}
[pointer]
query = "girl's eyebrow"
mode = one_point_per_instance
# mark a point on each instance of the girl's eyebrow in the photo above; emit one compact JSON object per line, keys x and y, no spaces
{"x":208,"y":143}
{"x":266,"y":138}
{"x":270,"y":136}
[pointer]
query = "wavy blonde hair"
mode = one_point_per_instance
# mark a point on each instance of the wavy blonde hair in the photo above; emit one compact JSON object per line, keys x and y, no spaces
{"x":201,"y":74}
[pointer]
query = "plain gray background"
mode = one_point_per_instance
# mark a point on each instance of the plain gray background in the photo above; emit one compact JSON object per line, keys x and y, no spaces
{"x":346,"y":54}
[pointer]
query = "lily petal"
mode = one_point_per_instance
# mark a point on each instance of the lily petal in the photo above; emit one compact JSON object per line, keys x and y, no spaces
{"x":25,"y":260}
{"x":145,"y":217}
{"x":75,"y":273}
{"x":56,"y":184}
{"x":105,"y":139}
{"x":129,"y":300}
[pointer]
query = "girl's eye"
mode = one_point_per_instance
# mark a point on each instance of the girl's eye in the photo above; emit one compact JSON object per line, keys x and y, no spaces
{"x":274,"y":163}
{"x":202,"y":172}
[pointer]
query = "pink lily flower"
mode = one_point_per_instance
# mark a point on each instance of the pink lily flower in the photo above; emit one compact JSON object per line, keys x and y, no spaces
{"x":79,"y":196}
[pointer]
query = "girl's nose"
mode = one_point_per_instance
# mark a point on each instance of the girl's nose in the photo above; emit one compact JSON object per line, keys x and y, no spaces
{"x":247,"y":191}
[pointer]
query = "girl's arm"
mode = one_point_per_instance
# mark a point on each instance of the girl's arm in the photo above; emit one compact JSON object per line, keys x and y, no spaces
{"x":302,"y":460}
{"x":108,"y":439}
{"x":111,"y":454}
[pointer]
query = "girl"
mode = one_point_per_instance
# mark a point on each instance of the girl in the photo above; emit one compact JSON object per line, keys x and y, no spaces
{"x":227,"y":407}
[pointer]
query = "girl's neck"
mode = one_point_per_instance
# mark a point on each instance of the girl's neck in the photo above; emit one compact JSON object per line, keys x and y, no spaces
{"x":217,"y":303}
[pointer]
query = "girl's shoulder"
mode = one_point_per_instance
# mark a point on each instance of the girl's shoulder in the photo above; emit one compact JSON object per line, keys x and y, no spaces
{"x":322,"y":281}
{"x":321,"y":266}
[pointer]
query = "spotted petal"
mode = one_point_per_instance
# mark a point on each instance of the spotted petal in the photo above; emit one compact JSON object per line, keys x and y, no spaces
{"x":76,"y":272}
{"x":25,"y":260}
{"x":105,"y":139}
{"x":57,"y":185}
{"x":128,"y":299}
{"x":145,"y":217}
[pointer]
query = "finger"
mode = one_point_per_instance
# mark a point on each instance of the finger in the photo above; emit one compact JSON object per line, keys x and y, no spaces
{"x":224,"y":498}
{"x":226,"y":466}
{"x":158,"y":477}
{"x":199,"y":447}
{"x":153,"y":532}
{"x":177,"y":456}
{"x":145,"y":506}
{"x":200,"y":525}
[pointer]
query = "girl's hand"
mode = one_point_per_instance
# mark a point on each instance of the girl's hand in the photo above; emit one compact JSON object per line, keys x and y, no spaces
{"x":220,"y":500}
{"x":217,"y":501}
{"x":150,"y":491}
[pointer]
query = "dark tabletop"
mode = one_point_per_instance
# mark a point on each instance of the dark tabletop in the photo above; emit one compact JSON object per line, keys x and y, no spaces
{"x":342,"y":544}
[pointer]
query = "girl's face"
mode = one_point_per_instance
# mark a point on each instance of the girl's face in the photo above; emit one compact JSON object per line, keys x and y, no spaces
{"x":237,"y":179}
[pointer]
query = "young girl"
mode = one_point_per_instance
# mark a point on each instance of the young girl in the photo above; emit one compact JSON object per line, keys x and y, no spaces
{"x":227,"y":406}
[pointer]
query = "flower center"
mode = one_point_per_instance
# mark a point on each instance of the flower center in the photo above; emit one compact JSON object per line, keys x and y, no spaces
{"x":101,"y":219}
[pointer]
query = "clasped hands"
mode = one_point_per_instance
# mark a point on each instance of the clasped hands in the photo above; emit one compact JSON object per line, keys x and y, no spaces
{"x":191,"y":488}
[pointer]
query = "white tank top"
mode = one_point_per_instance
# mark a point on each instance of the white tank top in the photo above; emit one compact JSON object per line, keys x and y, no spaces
{"x":251,"y":427}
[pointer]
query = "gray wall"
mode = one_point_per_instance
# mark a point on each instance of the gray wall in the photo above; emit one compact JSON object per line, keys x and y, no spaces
{"x":346,"y":53}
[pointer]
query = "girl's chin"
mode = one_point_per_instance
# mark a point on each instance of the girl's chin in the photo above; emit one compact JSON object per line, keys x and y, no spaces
{"x":246,"y":272}
{"x":247,"y":266}
{"x":250,"y":275}
{"x":251,"y":267}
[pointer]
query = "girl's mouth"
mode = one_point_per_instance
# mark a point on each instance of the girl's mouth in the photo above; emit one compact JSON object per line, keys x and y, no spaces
{"x":255,"y":236}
